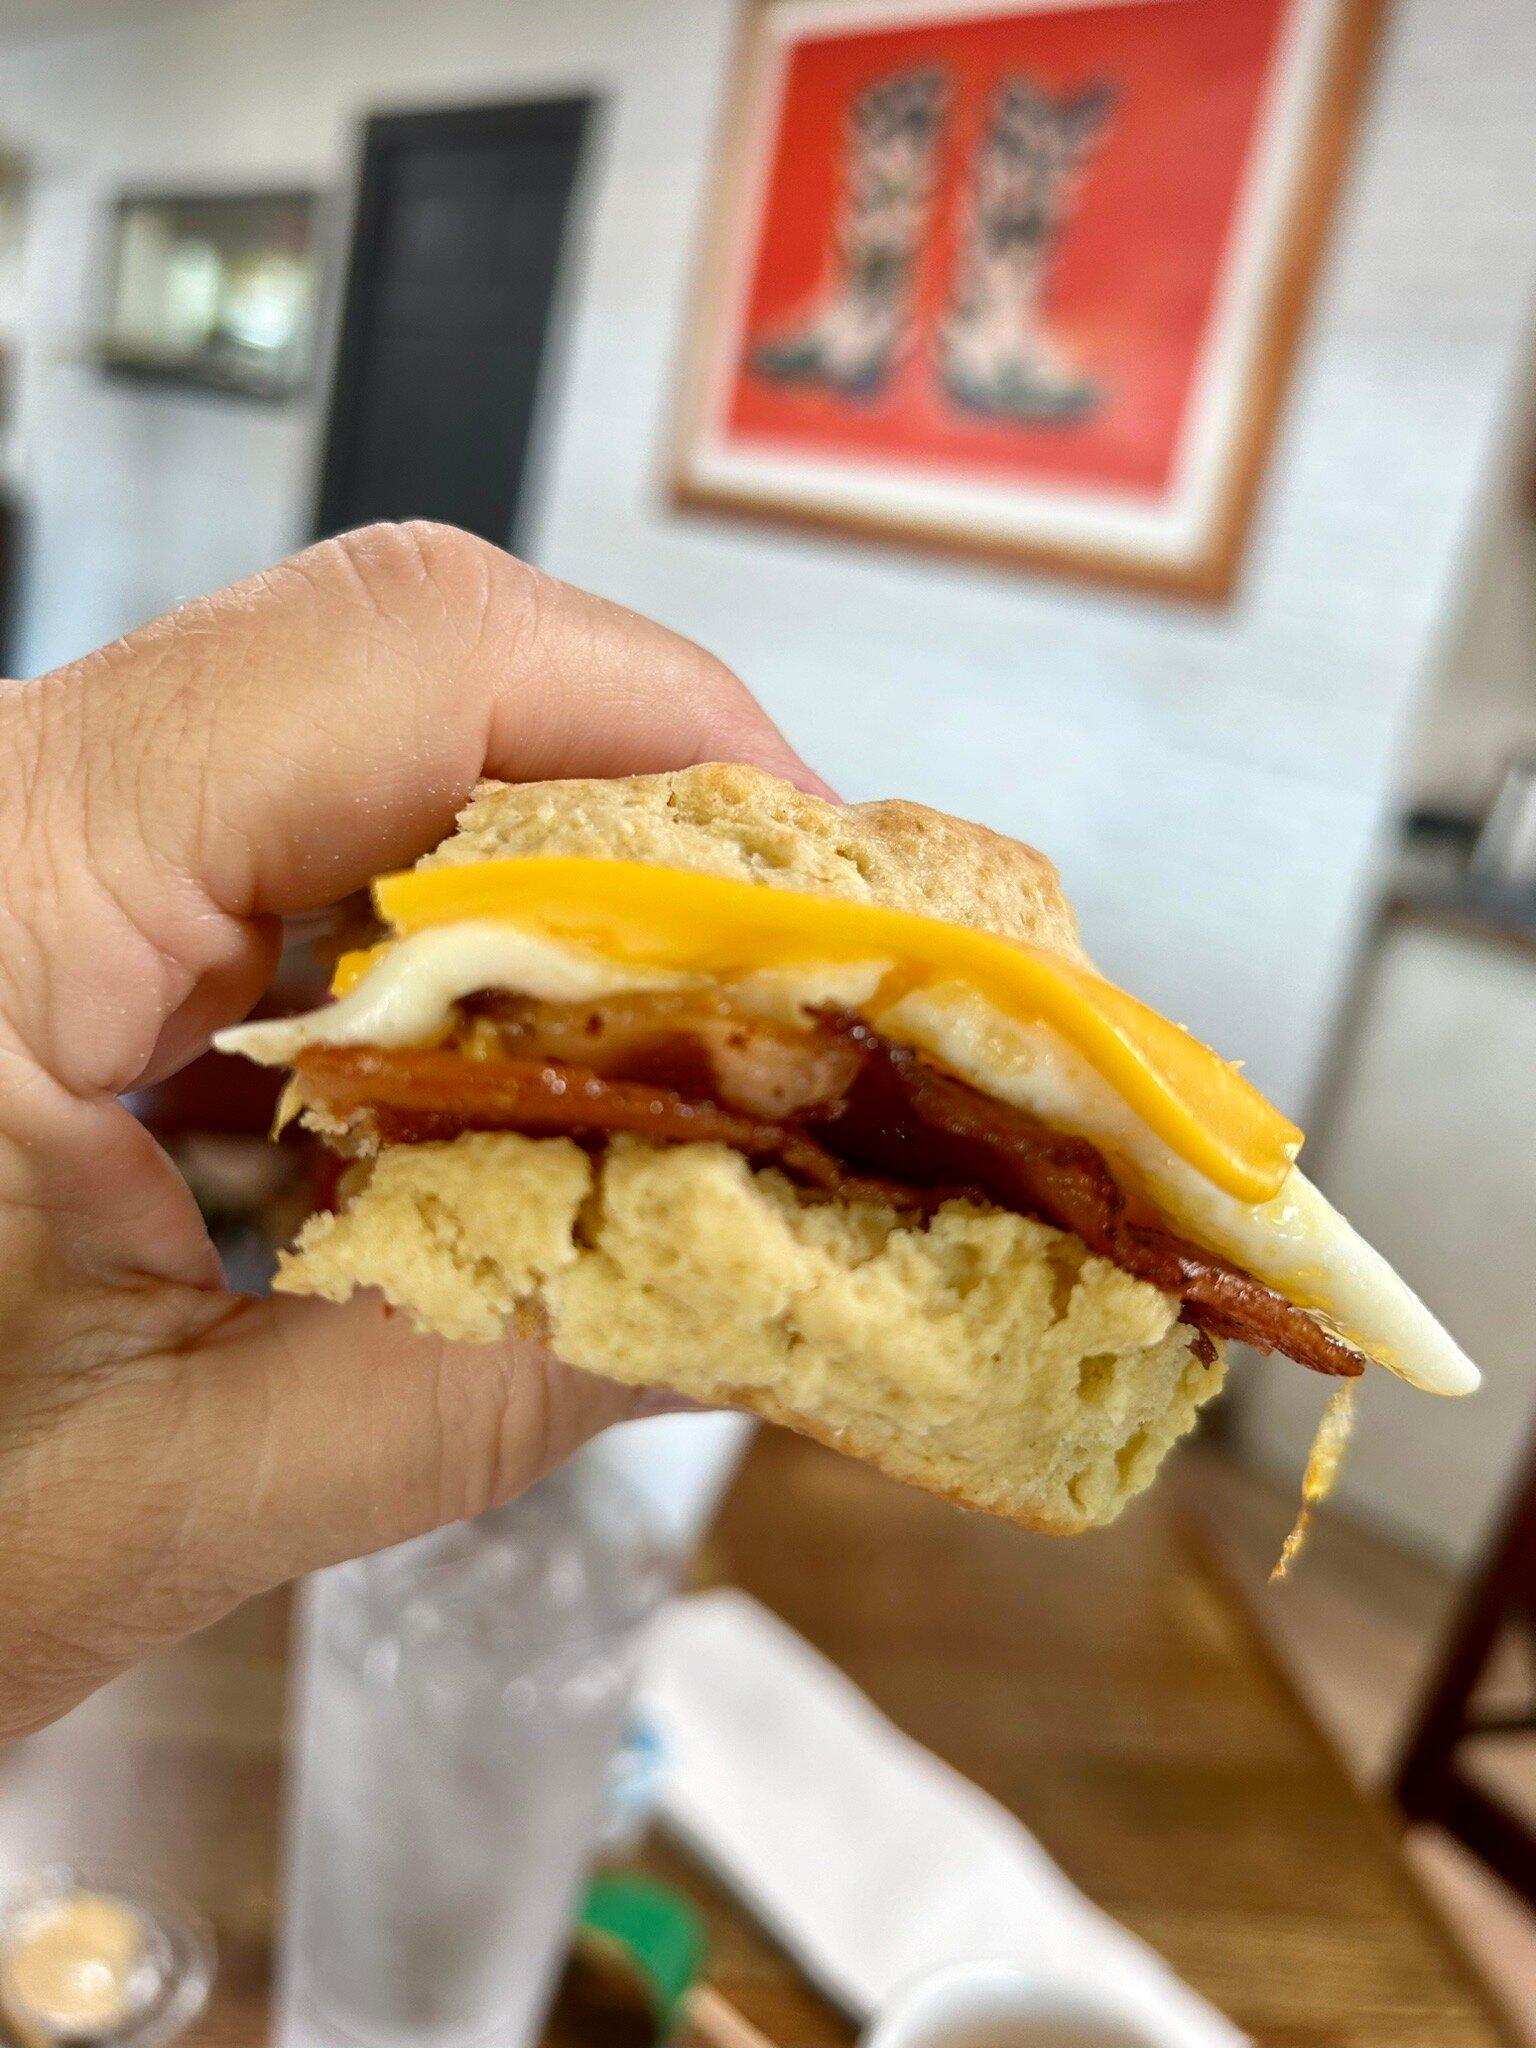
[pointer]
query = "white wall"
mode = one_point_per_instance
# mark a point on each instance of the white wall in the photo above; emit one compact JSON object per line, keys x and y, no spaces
{"x":1212,"y":783}
{"x":1432,"y":1153}
{"x":1481,"y":710}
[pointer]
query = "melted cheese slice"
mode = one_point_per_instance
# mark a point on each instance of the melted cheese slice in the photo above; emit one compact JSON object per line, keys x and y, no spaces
{"x":724,"y":930}
{"x":1021,"y":1023}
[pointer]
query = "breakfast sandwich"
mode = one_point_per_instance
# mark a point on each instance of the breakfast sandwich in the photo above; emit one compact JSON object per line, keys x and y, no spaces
{"x":820,"y":1112}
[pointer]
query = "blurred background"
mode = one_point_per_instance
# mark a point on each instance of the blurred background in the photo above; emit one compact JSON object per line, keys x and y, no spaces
{"x":269,"y":268}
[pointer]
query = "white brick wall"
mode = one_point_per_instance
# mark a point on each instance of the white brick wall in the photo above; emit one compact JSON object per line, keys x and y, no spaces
{"x":1212,"y":783}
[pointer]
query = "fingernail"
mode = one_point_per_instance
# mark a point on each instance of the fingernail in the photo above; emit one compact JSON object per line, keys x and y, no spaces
{"x":808,"y":780}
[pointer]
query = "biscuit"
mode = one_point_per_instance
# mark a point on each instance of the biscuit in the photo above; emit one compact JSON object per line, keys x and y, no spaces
{"x":983,"y":1355}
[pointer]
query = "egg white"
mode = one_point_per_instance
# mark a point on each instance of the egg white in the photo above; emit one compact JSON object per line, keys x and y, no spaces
{"x":1295,"y":1241}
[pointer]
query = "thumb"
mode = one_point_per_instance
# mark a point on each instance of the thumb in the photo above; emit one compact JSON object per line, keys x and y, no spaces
{"x":270,"y":1438}
{"x":341,"y":1429}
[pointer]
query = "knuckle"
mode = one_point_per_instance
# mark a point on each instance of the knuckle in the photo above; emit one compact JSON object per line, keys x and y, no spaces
{"x":443,"y":548}
{"x":462,"y":583}
{"x":472,"y":574}
{"x":377,"y":559}
{"x":409,"y":553}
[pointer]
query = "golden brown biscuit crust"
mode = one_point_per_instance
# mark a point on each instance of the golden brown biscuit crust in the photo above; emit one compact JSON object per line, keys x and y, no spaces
{"x":721,"y":819}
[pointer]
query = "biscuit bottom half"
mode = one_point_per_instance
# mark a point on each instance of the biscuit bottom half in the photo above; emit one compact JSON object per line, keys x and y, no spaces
{"x":979,"y":1354}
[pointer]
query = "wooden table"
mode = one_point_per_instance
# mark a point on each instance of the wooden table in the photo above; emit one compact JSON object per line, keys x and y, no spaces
{"x":1112,"y":1690}
{"x":1115,"y":1692}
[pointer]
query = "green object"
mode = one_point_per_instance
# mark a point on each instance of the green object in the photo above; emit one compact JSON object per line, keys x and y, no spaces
{"x":658,"y":1931}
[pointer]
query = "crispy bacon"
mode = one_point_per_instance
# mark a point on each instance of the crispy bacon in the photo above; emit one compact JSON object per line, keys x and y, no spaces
{"x":689,"y":1040}
{"x":417,"y":1096}
{"x":938,"y":1124}
{"x":869,"y":1120}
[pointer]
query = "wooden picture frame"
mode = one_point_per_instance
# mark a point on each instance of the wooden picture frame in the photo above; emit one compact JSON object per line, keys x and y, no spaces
{"x":1021,"y":198}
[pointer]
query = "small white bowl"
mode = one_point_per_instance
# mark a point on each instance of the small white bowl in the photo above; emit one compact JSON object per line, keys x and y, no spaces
{"x":999,"y":2005}
{"x":169,"y":1978}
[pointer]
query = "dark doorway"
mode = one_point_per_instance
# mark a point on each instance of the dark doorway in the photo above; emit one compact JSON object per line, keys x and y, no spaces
{"x":461,"y":218}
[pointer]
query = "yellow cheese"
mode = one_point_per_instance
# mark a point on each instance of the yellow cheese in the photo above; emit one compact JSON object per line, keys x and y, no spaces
{"x":1201,"y":1107}
{"x":351,"y":967}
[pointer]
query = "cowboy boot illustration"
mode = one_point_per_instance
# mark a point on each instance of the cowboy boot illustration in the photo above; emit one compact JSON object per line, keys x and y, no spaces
{"x":848,"y":339}
{"x":997,"y":355}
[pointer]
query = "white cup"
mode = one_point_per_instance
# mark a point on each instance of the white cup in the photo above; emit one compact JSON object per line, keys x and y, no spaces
{"x":999,"y":2005}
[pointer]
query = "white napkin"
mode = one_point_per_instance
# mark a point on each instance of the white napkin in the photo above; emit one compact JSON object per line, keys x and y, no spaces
{"x":868,"y":1858}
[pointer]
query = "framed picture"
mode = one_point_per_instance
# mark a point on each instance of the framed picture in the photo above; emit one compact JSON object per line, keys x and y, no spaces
{"x":1021,"y":281}
{"x":215,"y":290}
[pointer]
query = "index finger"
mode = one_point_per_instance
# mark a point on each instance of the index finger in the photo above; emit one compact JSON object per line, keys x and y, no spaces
{"x":283,"y":741}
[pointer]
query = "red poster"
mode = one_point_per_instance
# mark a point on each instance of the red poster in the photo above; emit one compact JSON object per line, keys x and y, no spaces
{"x":1011,"y":273}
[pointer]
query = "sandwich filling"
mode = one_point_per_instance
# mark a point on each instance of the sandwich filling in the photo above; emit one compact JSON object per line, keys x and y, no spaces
{"x":835,"y":1106}
{"x":864,"y":1052}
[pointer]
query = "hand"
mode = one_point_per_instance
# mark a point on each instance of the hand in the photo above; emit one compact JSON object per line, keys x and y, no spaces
{"x":167,"y":1448}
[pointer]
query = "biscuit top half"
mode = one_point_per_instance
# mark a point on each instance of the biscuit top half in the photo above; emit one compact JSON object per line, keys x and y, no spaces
{"x":740,"y":822}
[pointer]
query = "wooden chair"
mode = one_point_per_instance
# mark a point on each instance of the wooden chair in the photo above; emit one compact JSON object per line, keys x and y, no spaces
{"x":1432,"y":1782}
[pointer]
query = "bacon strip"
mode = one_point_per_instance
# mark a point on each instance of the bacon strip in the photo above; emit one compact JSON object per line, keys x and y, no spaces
{"x":888,"y":1126}
{"x":1024,"y":1164}
{"x":420,"y":1096}
{"x":690,"y":1040}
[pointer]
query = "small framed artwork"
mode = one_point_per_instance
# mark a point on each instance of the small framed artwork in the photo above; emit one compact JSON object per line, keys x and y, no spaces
{"x":214,"y":291}
{"x":1021,"y":281}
